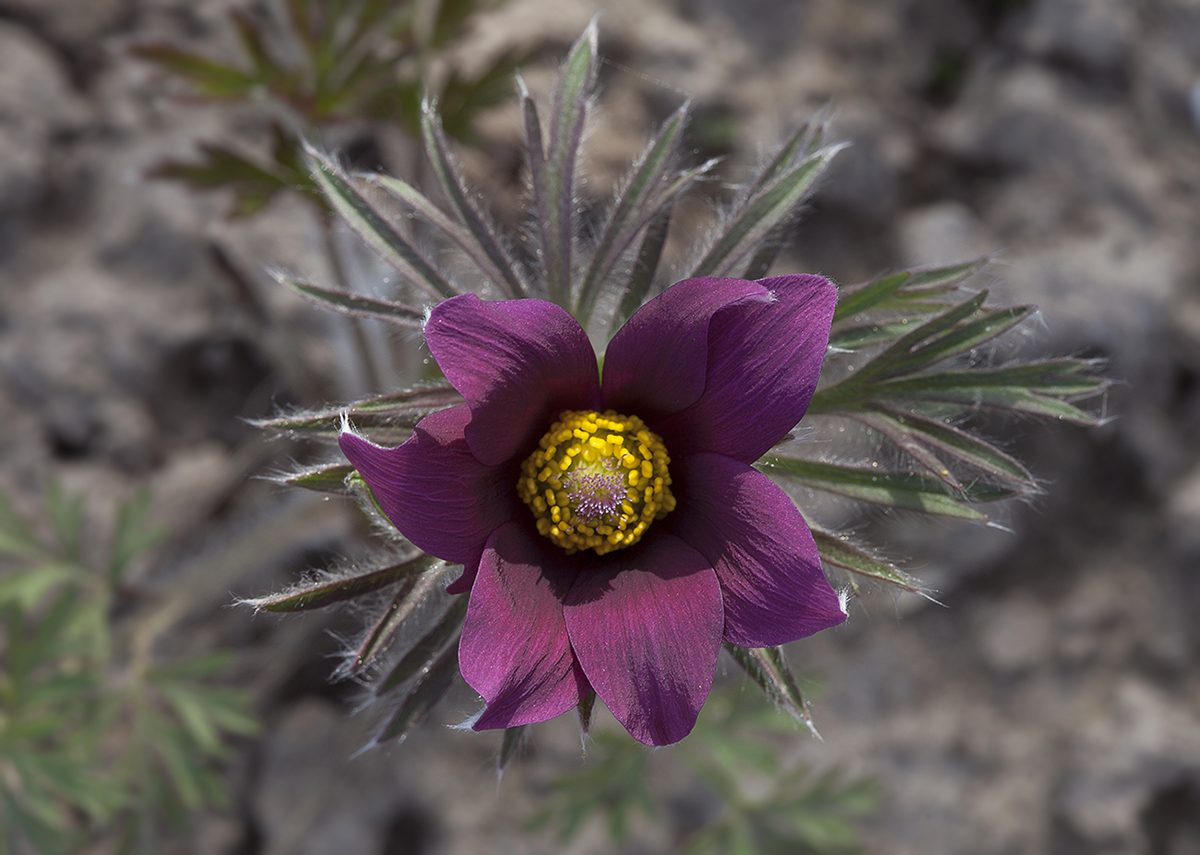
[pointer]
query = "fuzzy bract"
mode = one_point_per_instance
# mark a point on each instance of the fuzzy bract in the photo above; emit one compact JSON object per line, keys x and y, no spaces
{"x":719,"y":369}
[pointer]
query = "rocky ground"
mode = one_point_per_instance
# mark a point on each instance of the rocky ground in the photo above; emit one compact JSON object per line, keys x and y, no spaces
{"x":1049,"y":706}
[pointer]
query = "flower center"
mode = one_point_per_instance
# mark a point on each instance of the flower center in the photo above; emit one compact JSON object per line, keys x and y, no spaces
{"x":597,"y":481}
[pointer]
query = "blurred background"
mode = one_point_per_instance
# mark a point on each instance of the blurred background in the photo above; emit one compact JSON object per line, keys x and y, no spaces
{"x":149,"y":179}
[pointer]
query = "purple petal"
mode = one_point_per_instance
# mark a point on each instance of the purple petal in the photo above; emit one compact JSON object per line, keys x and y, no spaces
{"x":646,"y":626}
{"x":514,"y":649}
{"x":763,"y":363}
{"x":749,"y":531}
{"x":434,"y":490}
{"x":655,"y":364}
{"x":518,"y":363}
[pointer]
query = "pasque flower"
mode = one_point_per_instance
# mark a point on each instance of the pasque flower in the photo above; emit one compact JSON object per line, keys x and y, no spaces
{"x":612,"y":529}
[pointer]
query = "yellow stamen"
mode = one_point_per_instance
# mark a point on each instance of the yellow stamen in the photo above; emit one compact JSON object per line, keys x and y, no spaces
{"x":593,"y":490}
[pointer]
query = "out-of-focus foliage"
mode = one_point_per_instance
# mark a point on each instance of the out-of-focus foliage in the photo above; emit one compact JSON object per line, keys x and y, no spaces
{"x":319,"y":63}
{"x":762,"y":803}
{"x":99,"y":740}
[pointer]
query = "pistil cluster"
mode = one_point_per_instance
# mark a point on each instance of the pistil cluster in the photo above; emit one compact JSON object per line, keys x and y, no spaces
{"x":597,"y":481}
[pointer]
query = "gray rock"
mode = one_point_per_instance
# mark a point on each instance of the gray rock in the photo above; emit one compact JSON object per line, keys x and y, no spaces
{"x":68,"y":21}
{"x":1096,"y":34}
{"x":36,"y":104}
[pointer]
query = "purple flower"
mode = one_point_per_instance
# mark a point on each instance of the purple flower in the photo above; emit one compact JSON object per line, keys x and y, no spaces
{"x":613,"y":532}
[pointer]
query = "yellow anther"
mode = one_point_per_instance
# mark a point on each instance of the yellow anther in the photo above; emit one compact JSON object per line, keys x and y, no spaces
{"x":596,"y":481}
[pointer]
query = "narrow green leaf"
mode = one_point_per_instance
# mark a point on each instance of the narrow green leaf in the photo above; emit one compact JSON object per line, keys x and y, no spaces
{"x":330,"y":478}
{"x":193,"y":715}
{"x":587,"y":705}
{"x":641,"y":276}
{"x":415,"y":590}
{"x":798,"y":145}
{"x":554,"y":182}
{"x":209,"y":77}
{"x":27,"y":588}
{"x":869,"y":295}
{"x":909,"y":444}
{"x":66,"y":515}
{"x":325,"y":592}
{"x":502,"y":277}
{"x":371,"y":225}
{"x":961,"y":445}
{"x":743,"y":234}
{"x":183,"y":770}
{"x":838,"y":551}
{"x":630,"y":213}
{"x":423,"y":652}
{"x":850,"y":339}
{"x":437,"y":150}
{"x":768,"y":667}
{"x":423,"y":697}
{"x":962,"y":339}
{"x":356,"y":304}
{"x":16,"y":536}
{"x":891,"y":489}
{"x":967,"y":389}
{"x":130,"y":536}
{"x":510,"y":745}
{"x":385,"y":417}
{"x":897,"y":358}
{"x":943,"y":278}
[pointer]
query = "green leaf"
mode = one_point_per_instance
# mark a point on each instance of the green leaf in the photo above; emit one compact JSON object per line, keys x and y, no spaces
{"x":891,"y":489}
{"x":905,"y":428}
{"x":1008,"y":388}
{"x":423,"y":697}
{"x":554,"y":176}
{"x":415,"y":589}
{"x":253,"y":185}
{"x":356,"y":304}
{"x":421,"y":654}
{"x":502,"y":277}
{"x":510,"y":746}
{"x":66,"y":515}
{"x":768,"y":667}
{"x":16,"y":536}
{"x":941,"y":279}
{"x":330,"y":478}
{"x":641,"y":276}
{"x":209,"y":78}
{"x":325,"y":592}
{"x":194,"y":717}
{"x":745,"y":231}
{"x":130,"y":536}
{"x":838,"y":551}
{"x":371,"y":225}
{"x":389,"y":416}
{"x":637,"y":204}
{"x":869,"y":296}
{"x":460,"y":201}
{"x":27,"y":588}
